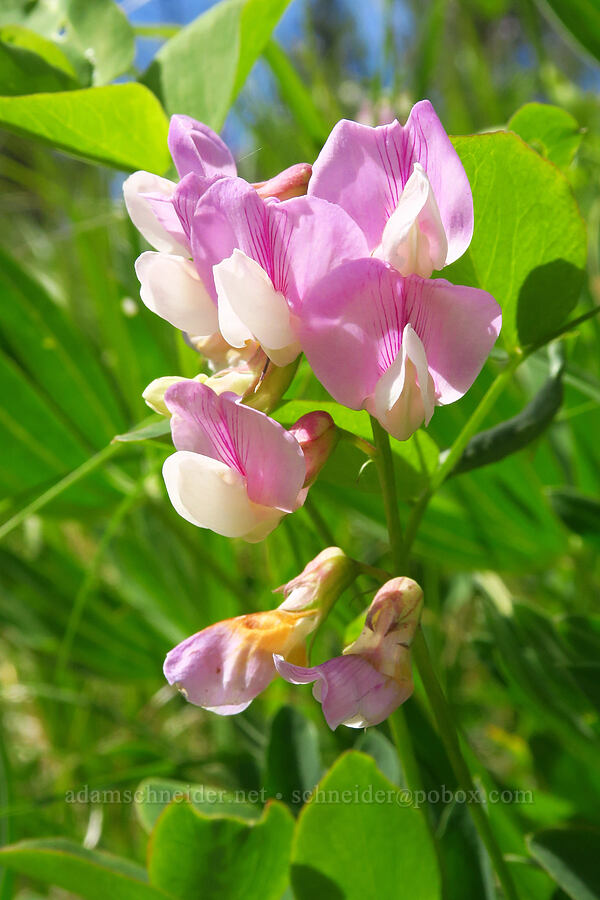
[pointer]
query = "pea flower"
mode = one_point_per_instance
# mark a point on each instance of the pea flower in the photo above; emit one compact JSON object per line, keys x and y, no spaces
{"x":225,"y":666}
{"x":404,"y":185}
{"x":373,"y":676}
{"x":162,"y":211}
{"x":258,"y":259}
{"x":396,"y":346}
{"x":236,"y":471}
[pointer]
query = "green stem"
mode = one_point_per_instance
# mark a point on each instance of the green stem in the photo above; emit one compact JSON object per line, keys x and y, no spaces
{"x":406,"y":754}
{"x":387,"y":479}
{"x":449,"y":736}
{"x":469,"y":429}
{"x":399,"y":547}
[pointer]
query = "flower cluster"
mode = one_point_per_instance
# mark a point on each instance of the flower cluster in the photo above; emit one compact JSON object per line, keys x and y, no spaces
{"x":335,"y":261}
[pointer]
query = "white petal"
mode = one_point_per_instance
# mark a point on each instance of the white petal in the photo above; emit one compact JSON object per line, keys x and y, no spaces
{"x":209,"y":494}
{"x":404,"y":396}
{"x":414,"y":240}
{"x":250,"y":307}
{"x":141,"y":213}
{"x":172,"y":288}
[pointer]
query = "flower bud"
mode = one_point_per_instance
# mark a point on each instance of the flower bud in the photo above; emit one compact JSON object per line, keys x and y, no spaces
{"x":317,"y":435}
{"x":154,"y":394}
{"x":320,"y":583}
{"x":292,"y":182}
{"x":390,"y":626}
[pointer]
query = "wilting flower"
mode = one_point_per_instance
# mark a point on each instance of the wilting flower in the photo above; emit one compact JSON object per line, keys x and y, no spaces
{"x":405,"y":187}
{"x":225,"y":666}
{"x":374,"y":676}
{"x":396,"y":346}
{"x":236,"y":471}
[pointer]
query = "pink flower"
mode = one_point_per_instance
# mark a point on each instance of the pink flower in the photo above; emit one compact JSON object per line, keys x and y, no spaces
{"x":231,"y":256}
{"x":396,"y":346}
{"x":236,"y":471}
{"x":225,"y":666}
{"x":258,"y":259}
{"x":373,"y":677}
{"x":405,"y":187}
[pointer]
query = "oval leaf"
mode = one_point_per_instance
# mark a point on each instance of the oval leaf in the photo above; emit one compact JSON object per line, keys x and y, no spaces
{"x":534,"y":273}
{"x":122,"y":125}
{"x":355,"y":840}
{"x":192,"y":854}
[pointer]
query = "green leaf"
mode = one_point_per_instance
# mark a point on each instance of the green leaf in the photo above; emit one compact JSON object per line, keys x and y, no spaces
{"x":157,"y":428}
{"x":570,"y":856}
{"x":201,"y":70}
{"x":122,"y":125}
{"x":18,"y":36}
{"x":101,"y":30}
{"x":53,"y":354}
{"x":155,"y":795}
{"x":529,"y":245}
{"x":353,"y":840}
{"x":24,"y":72}
{"x":87,"y":873}
{"x":293,"y":762}
{"x":221,"y":857}
{"x":550,"y":130}
{"x":516,"y":433}
{"x":579,"y":18}
{"x":579,"y":513}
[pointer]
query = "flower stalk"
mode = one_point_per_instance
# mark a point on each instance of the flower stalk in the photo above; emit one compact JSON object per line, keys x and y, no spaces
{"x":399,"y":549}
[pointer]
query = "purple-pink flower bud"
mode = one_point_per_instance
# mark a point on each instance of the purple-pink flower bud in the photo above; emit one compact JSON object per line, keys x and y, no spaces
{"x":317,"y":435}
{"x":292,"y":182}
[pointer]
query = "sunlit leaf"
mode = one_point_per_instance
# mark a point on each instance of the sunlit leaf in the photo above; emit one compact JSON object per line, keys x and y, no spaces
{"x":154,"y":795}
{"x":121,"y":125}
{"x":227,"y":857}
{"x":535,"y":273}
{"x":87,"y":873}
{"x":347,"y":839}
{"x":102,"y":32}
{"x":550,"y":130}
{"x":201,"y":70}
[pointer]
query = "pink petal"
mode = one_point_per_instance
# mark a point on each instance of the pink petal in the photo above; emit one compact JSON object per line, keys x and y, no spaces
{"x":365,"y":169}
{"x":185,"y":199}
{"x":216,"y":671}
{"x":295,"y":242}
{"x":351,"y":690}
{"x":458,"y":327}
{"x":229,"y":215}
{"x":432,"y":147}
{"x":310,"y":237}
{"x":144,"y":195}
{"x":246,"y":440}
{"x":196,"y":148}
{"x":359,"y":311}
{"x":209,"y":494}
{"x":347,"y":322}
